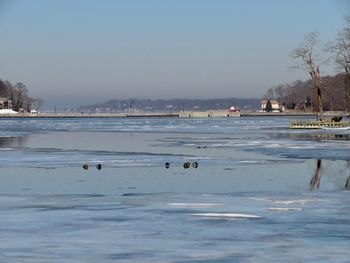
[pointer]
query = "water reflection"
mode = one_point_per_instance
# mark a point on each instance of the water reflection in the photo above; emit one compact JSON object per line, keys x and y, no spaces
{"x":316,"y":179}
{"x":340,"y":174}
{"x":347,"y":184}
{"x":7,"y":142}
{"x":313,"y":136}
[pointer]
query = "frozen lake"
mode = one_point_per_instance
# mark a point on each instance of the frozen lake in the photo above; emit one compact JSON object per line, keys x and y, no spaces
{"x":261,"y":192}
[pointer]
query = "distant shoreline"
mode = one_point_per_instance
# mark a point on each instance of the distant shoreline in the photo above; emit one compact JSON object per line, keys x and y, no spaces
{"x":159,"y":115}
{"x":85,"y":115}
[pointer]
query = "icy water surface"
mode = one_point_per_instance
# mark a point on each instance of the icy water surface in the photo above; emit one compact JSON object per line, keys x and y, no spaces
{"x":261,"y":192}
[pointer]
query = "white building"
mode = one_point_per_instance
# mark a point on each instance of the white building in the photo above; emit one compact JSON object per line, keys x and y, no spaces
{"x":276,"y":107}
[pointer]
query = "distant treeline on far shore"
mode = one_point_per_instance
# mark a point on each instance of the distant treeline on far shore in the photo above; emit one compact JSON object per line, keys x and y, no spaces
{"x":299,"y":95}
{"x":170,"y":105}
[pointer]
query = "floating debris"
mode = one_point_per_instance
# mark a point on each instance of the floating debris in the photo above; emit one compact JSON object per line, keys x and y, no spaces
{"x":195,"y":165}
{"x":225,"y":215}
{"x":98,"y":166}
{"x":85,"y":166}
{"x":167,"y":165}
{"x":201,"y":147}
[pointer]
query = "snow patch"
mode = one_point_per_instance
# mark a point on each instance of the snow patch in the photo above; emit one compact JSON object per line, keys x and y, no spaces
{"x":8,"y":111}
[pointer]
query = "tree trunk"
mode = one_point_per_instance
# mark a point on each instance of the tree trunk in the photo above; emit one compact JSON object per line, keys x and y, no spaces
{"x":347,"y":91}
{"x":319,"y":101}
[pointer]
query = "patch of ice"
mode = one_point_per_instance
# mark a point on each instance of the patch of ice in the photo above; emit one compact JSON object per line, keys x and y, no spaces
{"x":194,"y":204}
{"x":225,"y":215}
{"x":292,"y":202}
{"x":284,"y":209}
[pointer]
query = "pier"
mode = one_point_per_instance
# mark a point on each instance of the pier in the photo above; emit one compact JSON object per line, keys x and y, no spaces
{"x":318,"y":124}
{"x":208,"y":114}
{"x":87,"y":115}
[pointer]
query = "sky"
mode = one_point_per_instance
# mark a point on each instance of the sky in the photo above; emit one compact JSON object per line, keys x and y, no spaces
{"x":78,"y":52}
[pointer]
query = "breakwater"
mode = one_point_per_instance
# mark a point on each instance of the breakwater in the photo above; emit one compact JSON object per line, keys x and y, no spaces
{"x":92,"y":115}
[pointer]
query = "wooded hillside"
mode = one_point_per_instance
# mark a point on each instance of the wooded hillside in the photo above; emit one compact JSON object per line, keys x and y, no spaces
{"x":302,"y":94}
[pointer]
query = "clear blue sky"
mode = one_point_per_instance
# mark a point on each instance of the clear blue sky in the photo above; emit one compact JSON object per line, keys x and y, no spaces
{"x":73,"y":52}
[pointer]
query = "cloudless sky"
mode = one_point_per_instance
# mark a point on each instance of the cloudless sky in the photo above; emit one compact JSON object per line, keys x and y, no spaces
{"x":74,"y":52}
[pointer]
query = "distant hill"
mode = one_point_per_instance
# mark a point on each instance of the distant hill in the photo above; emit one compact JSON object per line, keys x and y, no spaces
{"x":170,"y":105}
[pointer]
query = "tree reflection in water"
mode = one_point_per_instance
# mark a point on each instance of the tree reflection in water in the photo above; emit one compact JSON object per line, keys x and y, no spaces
{"x":7,"y":142}
{"x":347,"y":184}
{"x":316,"y":179}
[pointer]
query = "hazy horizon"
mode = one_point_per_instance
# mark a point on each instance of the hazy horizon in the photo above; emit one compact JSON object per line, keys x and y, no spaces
{"x":73,"y":53}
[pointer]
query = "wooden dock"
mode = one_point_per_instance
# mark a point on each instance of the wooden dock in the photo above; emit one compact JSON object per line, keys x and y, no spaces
{"x":318,"y":124}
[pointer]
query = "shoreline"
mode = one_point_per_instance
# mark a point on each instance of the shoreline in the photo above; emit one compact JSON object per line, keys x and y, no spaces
{"x":79,"y":115}
{"x":164,"y":115}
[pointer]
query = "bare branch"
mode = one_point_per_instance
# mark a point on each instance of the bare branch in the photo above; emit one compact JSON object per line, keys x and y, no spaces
{"x":305,"y":53}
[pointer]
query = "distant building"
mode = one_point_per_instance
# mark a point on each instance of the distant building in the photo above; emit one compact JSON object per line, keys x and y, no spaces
{"x":276,"y":107}
{"x":5,"y":103}
{"x":234,"y":109}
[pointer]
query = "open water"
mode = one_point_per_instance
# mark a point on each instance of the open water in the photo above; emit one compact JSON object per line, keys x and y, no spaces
{"x":261,"y":192}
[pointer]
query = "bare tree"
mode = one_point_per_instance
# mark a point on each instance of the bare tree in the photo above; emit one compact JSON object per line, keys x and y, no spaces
{"x":340,"y":50}
{"x":36,"y":103}
{"x":21,"y":96}
{"x":306,"y":53}
{"x":3,"y":89}
{"x":270,"y":94}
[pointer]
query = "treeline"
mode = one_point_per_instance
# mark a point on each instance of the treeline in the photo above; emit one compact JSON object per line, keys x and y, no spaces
{"x":17,"y":95}
{"x":302,"y":95}
{"x":170,"y":105}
